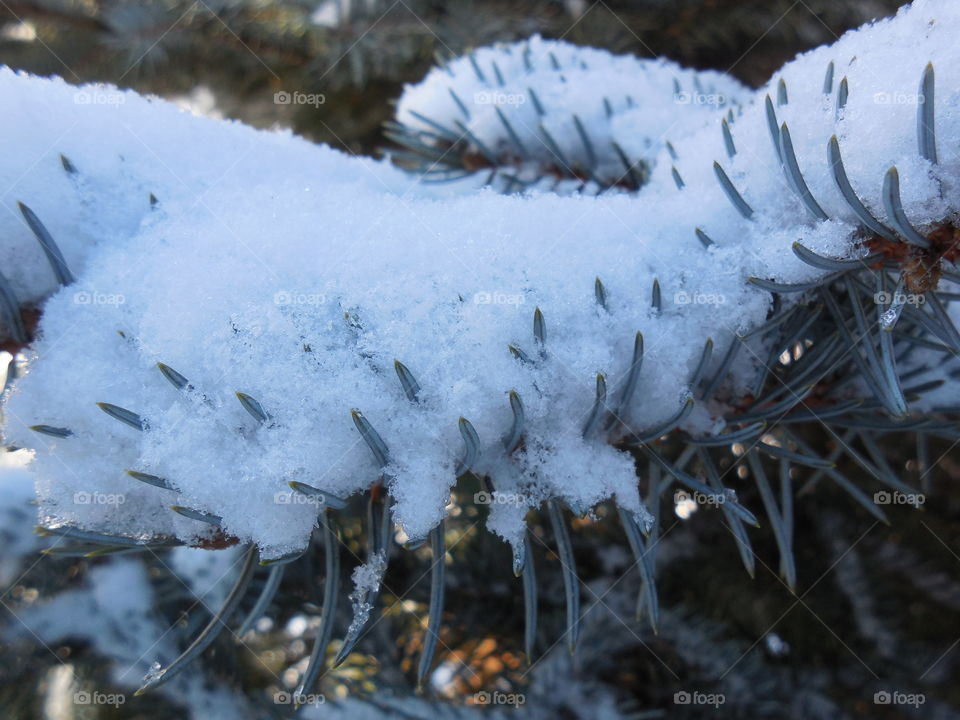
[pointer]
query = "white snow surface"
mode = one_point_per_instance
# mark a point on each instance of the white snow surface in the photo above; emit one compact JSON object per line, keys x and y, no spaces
{"x":523,"y":101}
{"x":124,"y":147}
{"x":241,"y":278}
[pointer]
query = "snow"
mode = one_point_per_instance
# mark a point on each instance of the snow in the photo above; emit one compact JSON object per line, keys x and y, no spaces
{"x":366,"y":580}
{"x":534,"y":93}
{"x":241,"y":279}
{"x":125,"y":147}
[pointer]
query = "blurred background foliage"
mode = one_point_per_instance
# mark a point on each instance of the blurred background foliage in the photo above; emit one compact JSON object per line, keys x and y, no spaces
{"x":358,"y":53}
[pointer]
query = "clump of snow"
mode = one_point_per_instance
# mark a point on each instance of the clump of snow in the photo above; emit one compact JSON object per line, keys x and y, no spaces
{"x":566,"y":460}
{"x":297,"y":276}
{"x":876,"y":129}
{"x":366,"y":580}
{"x":527,"y":102}
{"x":123,"y":147}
